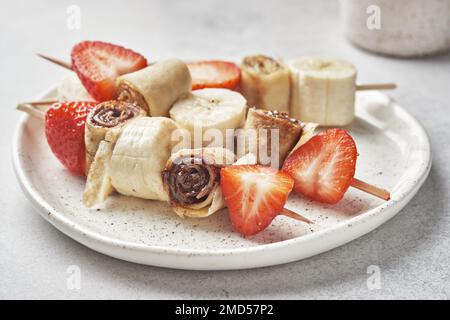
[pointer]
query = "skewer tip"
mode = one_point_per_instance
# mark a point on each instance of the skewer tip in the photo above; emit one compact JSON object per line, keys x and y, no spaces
{"x":376,"y":86}
{"x":31,"y":110}
{"x":294,"y":215}
{"x":371,"y":189}
{"x":58,"y":62}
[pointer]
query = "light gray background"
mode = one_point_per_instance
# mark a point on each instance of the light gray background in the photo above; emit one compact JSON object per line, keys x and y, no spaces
{"x":412,"y":250}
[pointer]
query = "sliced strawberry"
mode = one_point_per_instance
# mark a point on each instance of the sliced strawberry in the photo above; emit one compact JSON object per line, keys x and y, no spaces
{"x":323,"y":168}
{"x":214,"y":74}
{"x":255,"y":195}
{"x":64,"y":129}
{"x":98,"y":64}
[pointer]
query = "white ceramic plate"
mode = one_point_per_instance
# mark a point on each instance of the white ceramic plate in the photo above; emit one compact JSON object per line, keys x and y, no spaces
{"x":394,"y":154}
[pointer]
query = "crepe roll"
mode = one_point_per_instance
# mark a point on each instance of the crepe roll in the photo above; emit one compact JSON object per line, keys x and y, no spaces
{"x":265,"y":83}
{"x":156,"y":87}
{"x":191,"y":178}
{"x":271,"y":135}
{"x":104,"y":117}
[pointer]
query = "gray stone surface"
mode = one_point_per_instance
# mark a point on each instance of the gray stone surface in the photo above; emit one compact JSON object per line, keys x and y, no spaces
{"x":412,"y":250}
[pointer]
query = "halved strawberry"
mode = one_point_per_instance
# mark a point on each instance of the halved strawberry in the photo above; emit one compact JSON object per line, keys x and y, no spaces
{"x":255,"y":195}
{"x":64,"y":129}
{"x":323,"y":168}
{"x":214,"y":74}
{"x":98,"y":64}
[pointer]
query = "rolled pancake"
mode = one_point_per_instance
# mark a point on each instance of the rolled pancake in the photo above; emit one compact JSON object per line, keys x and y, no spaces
{"x":258,"y":135}
{"x":191,"y":178}
{"x":104,"y":117}
{"x":265,"y":83}
{"x":156,"y":87}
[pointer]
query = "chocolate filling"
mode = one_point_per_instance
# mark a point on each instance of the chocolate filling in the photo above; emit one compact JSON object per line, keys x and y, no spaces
{"x":283,"y":115}
{"x":109,"y":114}
{"x":190,"y":179}
{"x":129,"y":95}
{"x":262,"y":64}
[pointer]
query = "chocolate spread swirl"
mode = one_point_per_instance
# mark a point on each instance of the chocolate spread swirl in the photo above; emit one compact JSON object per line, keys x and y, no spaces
{"x":111,"y":113}
{"x":190,"y":179}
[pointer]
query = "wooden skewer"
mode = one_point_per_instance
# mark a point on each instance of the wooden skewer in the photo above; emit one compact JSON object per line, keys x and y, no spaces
{"x":40,"y":102}
{"x":61,"y":63}
{"x":356,"y":183}
{"x":295,"y":215}
{"x":31,"y":110}
{"x":30,"y":107}
{"x":376,"y":86}
{"x":359,"y":87}
{"x":370,"y":188}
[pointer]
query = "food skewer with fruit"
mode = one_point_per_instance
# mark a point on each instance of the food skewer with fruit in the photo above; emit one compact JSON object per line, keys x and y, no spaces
{"x":205,"y":74}
{"x":313,"y":89}
{"x":321,"y":169}
{"x":125,"y":145}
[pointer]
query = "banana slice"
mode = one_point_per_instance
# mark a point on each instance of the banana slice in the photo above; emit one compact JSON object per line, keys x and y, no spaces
{"x":157,"y":87}
{"x":104,"y":117}
{"x":307,"y":133}
{"x":205,"y":109}
{"x":131,"y":160}
{"x":265,"y":83}
{"x":98,"y":184}
{"x":71,"y":89}
{"x":139,"y":156}
{"x":323,"y":91}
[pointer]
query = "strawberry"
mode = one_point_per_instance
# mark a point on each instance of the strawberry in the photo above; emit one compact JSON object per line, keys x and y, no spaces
{"x":64,"y":129}
{"x":323,"y":168}
{"x":98,"y":64}
{"x":255,"y":195}
{"x":214,"y":74}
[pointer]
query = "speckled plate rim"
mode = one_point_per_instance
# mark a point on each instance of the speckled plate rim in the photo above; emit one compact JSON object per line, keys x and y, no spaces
{"x":228,"y":259}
